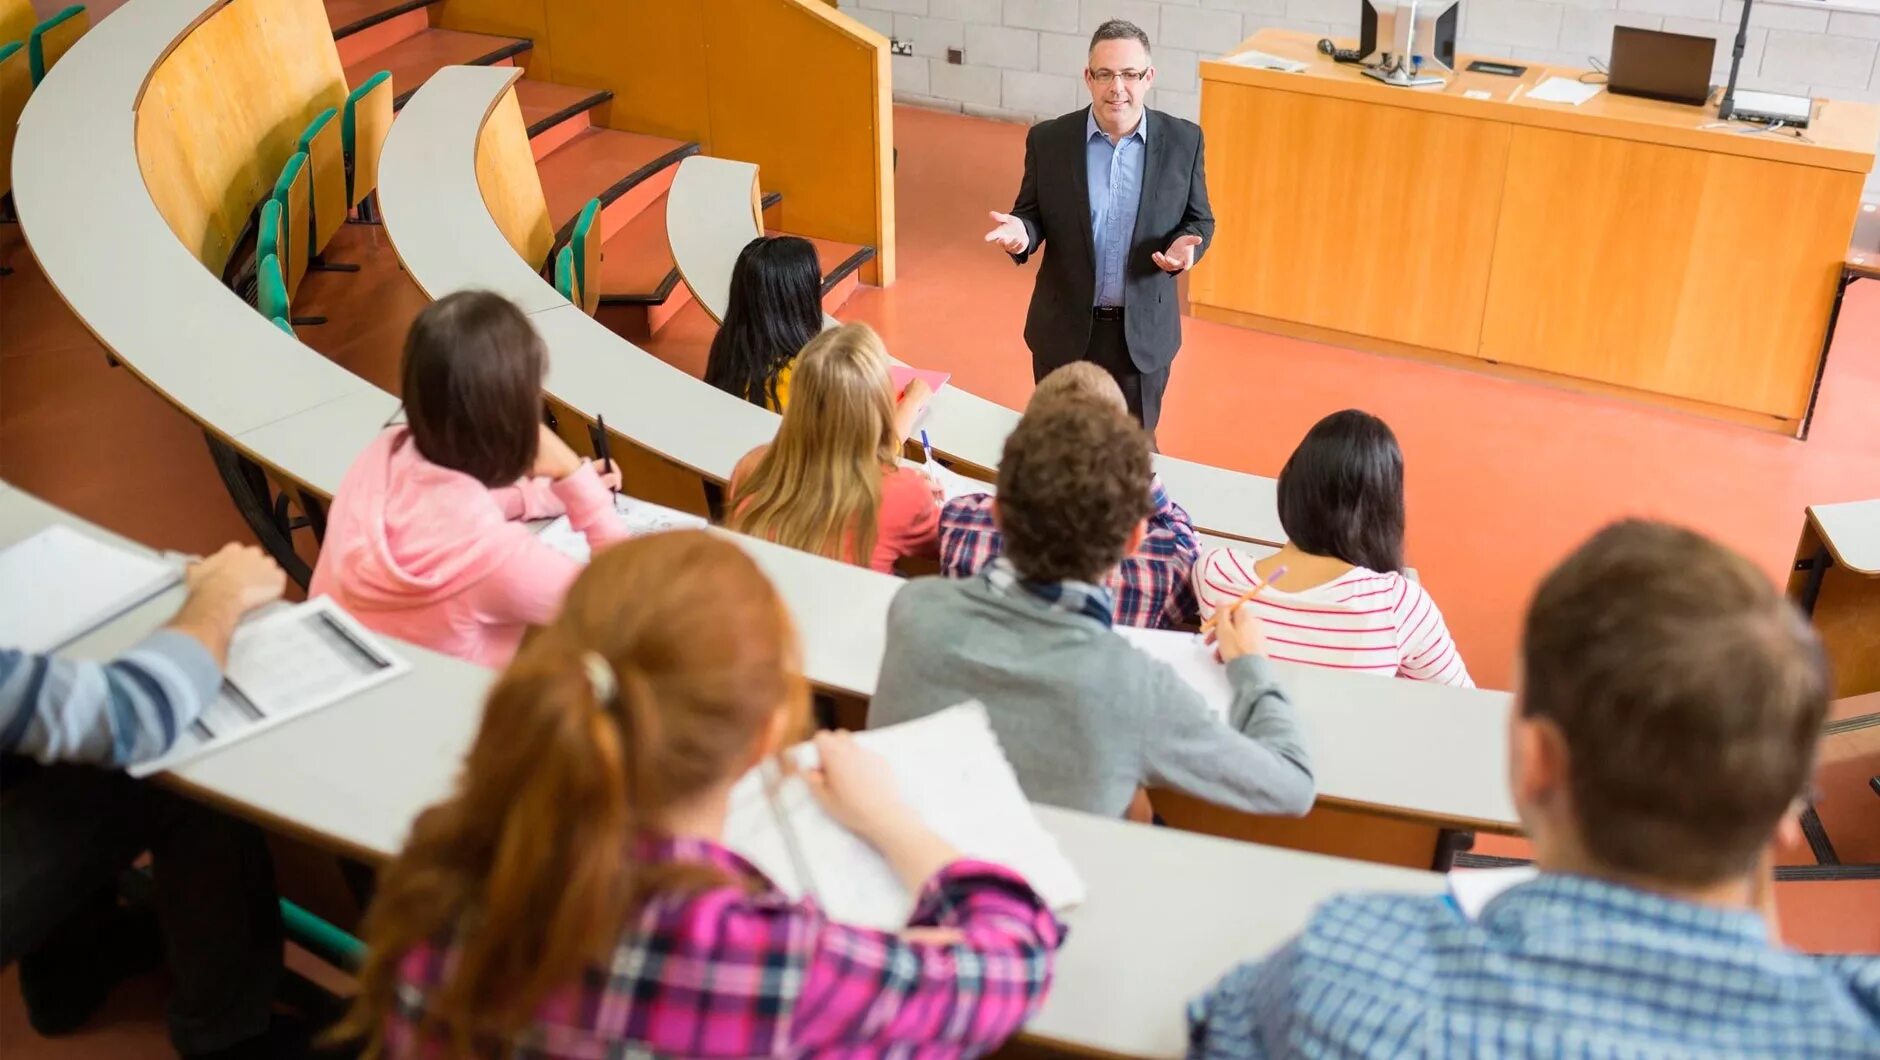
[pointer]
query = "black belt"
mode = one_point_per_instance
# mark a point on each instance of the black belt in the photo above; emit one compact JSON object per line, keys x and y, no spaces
{"x":1106,"y":312}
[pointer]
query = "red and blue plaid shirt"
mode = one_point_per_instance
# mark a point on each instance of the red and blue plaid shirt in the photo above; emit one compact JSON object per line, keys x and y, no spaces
{"x":1150,"y":587}
{"x":744,"y":970}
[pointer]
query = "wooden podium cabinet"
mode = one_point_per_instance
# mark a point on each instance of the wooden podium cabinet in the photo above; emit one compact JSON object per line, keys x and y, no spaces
{"x":1617,"y":246}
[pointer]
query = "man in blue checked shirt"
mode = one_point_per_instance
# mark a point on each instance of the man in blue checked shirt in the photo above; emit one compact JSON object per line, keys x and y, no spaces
{"x":68,"y":827}
{"x":1663,"y":732}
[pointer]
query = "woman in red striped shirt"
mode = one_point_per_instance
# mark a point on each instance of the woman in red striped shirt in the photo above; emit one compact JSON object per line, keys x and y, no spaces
{"x":1343,"y":601}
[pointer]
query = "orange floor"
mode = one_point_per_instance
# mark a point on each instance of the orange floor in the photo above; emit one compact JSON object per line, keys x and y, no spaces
{"x":1503,"y":477}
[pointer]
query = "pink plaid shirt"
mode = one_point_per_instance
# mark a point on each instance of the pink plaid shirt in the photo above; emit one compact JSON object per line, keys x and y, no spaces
{"x":735,"y":972}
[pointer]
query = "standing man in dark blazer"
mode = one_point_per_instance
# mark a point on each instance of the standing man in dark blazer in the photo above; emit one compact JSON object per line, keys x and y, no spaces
{"x":1116,"y":194}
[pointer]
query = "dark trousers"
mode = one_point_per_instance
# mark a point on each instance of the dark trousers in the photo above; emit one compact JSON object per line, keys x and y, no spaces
{"x":1109,"y":350}
{"x":67,"y":831}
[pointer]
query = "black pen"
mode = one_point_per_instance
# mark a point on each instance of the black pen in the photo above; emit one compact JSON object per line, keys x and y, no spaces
{"x":607,"y":460}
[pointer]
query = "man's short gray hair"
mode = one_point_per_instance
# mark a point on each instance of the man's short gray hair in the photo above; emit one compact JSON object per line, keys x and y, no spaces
{"x":1119,"y":29}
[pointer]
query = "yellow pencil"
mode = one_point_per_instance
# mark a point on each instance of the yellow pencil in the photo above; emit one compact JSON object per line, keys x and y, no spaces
{"x":1277,"y":574}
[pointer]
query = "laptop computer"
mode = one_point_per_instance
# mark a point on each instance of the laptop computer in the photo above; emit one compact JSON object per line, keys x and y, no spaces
{"x":1670,"y":66}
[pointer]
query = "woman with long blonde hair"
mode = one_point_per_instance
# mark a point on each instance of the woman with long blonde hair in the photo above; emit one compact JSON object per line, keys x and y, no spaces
{"x":572,"y":898}
{"x":832,"y":482}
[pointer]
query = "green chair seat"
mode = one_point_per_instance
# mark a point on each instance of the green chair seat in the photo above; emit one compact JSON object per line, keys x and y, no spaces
{"x":36,"y":43}
{"x":281,"y":322}
{"x":583,"y":236}
{"x":271,"y":289}
{"x":349,"y":127}
{"x":566,"y":280}
{"x":268,"y":239}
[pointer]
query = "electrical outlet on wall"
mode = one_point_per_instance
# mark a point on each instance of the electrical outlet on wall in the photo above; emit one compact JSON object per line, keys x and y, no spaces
{"x":901,"y":47}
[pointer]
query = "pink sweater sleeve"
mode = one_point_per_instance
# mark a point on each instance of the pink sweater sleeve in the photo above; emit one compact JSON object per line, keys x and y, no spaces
{"x":910,"y":514}
{"x":530,"y":586}
{"x":530,"y":498}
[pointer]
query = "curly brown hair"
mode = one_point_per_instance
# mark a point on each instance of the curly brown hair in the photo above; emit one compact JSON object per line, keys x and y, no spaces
{"x":1073,"y":481}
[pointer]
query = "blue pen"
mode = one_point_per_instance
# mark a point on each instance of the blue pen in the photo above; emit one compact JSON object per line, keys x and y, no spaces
{"x":926,"y":446}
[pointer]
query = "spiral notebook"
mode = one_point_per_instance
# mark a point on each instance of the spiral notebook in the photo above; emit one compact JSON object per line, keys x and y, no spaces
{"x":950,"y":771}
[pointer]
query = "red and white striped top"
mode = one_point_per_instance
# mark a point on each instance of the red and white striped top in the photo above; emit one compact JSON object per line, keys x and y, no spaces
{"x":1360,"y":621}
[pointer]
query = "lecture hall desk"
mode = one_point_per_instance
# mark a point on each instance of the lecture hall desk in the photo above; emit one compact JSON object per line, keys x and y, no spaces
{"x":1618,"y":247}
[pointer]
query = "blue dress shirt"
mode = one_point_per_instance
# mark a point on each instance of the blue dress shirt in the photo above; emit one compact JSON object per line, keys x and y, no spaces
{"x":1114,"y":172}
{"x":1560,"y":968}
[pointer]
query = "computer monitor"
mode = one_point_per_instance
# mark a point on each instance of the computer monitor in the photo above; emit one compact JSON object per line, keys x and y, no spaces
{"x":1406,"y":28}
{"x":1657,"y":65}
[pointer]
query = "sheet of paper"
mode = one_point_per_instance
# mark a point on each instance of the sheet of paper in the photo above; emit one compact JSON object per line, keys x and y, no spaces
{"x":901,"y":375}
{"x":641,"y":517}
{"x":1262,"y":61}
{"x":283,"y":664}
{"x":1472,"y":889}
{"x":60,"y":584}
{"x":1192,"y":658}
{"x":950,"y":770}
{"x":953,"y":485}
{"x":1563,"y":90}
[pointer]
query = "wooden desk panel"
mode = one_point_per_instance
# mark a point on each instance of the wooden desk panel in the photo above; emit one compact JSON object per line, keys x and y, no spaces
{"x":1689,"y":273}
{"x":1386,"y":250}
{"x":1625,"y":246}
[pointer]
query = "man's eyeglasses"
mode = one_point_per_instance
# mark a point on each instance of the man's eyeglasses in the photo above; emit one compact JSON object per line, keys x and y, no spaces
{"x":1130,"y":77}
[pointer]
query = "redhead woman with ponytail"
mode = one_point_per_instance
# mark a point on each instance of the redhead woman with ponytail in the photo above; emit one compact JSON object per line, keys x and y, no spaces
{"x":573,"y":897}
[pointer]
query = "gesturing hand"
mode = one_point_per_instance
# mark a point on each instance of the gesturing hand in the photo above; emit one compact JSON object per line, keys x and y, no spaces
{"x":1180,"y":254}
{"x":1009,"y":233}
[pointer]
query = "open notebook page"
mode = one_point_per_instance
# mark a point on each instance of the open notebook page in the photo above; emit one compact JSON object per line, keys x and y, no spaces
{"x":641,"y":517}
{"x":59,"y":584}
{"x":951,"y":772}
{"x":1191,"y":657}
{"x":283,"y":664}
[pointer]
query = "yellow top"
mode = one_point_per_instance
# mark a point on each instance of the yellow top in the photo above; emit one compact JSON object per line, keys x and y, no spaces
{"x":783,"y":389}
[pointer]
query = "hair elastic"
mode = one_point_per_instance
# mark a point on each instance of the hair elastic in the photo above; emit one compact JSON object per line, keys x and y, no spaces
{"x":600,"y":677}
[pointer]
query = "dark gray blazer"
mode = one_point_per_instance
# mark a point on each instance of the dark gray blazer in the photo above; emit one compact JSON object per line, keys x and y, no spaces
{"x":1054,"y":203}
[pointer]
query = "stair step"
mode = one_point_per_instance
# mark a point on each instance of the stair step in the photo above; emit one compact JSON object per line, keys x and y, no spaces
{"x":546,"y":104}
{"x":838,"y":260}
{"x":348,"y":17}
{"x":413,"y":60}
{"x":625,"y":171}
{"x":636,"y":264}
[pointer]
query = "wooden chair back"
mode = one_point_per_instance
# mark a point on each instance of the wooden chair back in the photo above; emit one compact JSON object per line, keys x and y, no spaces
{"x":367,"y":119}
{"x":294,"y":192}
{"x":326,"y":177}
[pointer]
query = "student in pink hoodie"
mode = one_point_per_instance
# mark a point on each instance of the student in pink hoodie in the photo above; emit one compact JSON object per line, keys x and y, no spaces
{"x":422,"y":541}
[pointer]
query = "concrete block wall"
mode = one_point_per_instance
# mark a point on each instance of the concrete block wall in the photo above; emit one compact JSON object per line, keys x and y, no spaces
{"x":1021,"y":58}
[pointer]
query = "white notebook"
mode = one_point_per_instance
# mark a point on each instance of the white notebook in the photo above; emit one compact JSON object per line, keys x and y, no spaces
{"x":1192,"y":658}
{"x":60,"y":584}
{"x":953,"y":485}
{"x":641,"y":517}
{"x":283,"y":664}
{"x":952,"y":773}
{"x":1470,"y":890}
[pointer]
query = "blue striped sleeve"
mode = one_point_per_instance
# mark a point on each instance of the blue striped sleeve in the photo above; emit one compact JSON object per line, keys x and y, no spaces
{"x":111,"y":714}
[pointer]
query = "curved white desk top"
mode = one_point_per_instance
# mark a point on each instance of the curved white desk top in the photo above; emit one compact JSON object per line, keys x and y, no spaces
{"x":1168,"y":911}
{"x":107,"y":251}
{"x":1852,"y":532}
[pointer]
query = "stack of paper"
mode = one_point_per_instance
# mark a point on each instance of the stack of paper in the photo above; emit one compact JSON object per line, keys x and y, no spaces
{"x":951,"y":772}
{"x":285,"y":663}
{"x":1262,"y":61}
{"x":60,"y":584}
{"x":641,"y":517}
{"x":1563,"y":90}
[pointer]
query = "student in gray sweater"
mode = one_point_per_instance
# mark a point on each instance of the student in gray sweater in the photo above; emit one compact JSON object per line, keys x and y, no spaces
{"x":1084,"y":717}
